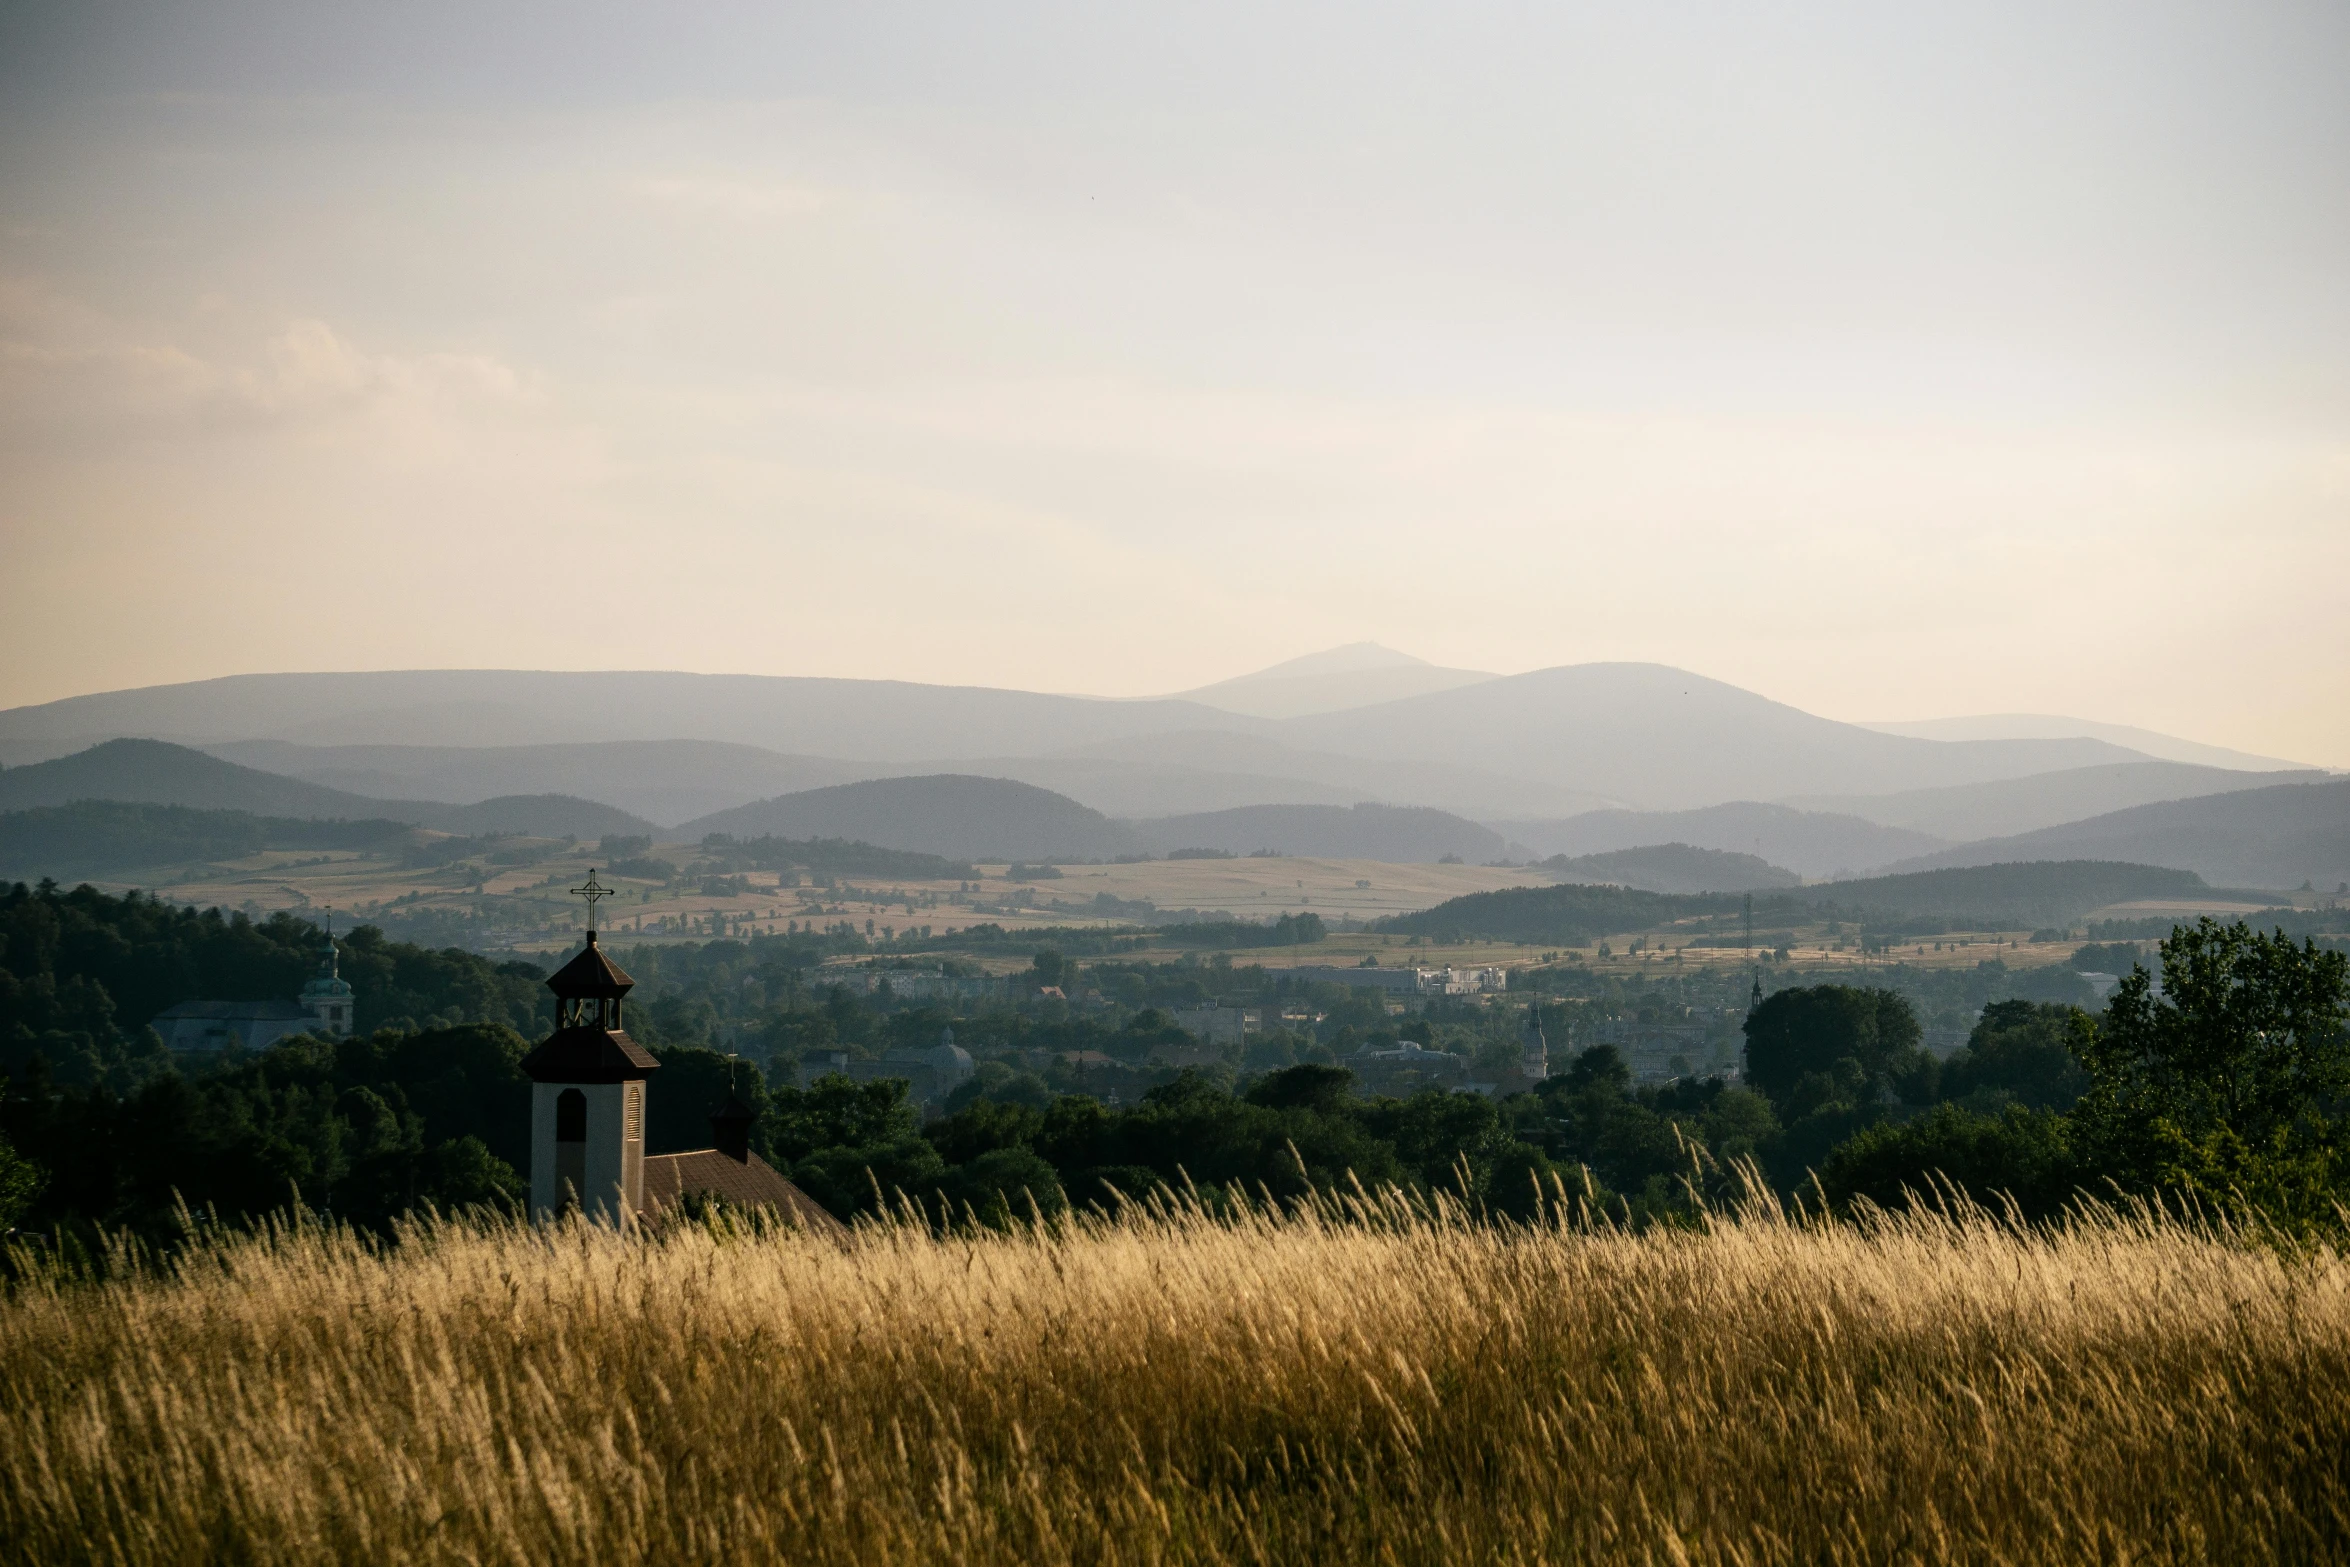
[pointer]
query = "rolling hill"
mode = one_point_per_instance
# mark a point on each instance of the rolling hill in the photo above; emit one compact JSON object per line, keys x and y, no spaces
{"x":663,"y":781}
{"x":1357,"y":675}
{"x":1811,"y":843}
{"x":1307,"y":777}
{"x":107,"y":837}
{"x":532,"y":815}
{"x":2001,"y":807}
{"x":1997,"y":897}
{"x":1663,"y":739}
{"x":2023,"y":894}
{"x":1673,"y":867}
{"x":153,"y":772}
{"x":955,"y":815}
{"x":1640,"y":735}
{"x":857,"y":720}
{"x":1400,"y":834}
{"x":1572,"y":914}
{"x":2275,"y":837}
{"x":2050,"y":726}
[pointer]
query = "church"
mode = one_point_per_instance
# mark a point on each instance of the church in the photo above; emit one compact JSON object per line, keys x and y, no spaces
{"x":323,"y":1008}
{"x":587,"y":1115}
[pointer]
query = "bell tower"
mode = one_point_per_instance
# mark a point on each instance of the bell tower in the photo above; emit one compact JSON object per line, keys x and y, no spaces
{"x":587,"y":1111}
{"x":328,"y":996}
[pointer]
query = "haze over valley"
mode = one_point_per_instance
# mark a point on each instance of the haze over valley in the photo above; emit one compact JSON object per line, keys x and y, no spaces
{"x":1360,"y":754}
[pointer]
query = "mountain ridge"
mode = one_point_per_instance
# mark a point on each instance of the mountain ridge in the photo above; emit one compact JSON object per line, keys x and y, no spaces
{"x":2002,"y":807}
{"x":1645,"y":735}
{"x":157,"y":772}
{"x":2273,"y":838}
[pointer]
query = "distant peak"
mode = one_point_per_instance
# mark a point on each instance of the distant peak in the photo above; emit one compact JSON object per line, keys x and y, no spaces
{"x":1353,"y":658}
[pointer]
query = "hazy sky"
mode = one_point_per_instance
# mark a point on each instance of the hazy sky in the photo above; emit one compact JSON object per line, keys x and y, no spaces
{"x":1894,"y":361}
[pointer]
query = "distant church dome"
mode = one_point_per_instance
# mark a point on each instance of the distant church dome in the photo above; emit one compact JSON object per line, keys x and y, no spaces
{"x":327,"y":997}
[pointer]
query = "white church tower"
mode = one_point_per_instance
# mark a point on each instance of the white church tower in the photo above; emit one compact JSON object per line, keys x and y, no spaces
{"x":1533,"y":1048}
{"x":587,"y":1112}
{"x":327,"y":998}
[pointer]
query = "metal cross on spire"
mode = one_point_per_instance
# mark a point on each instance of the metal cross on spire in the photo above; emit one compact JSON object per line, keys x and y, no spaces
{"x":591,"y":890}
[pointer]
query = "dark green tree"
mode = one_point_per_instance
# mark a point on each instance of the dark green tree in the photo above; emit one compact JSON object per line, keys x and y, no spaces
{"x":2021,"y":1154}
{"x":2020,"y":1052}
{"x":1811,"y":1046}
{"x":2229,"y":1085}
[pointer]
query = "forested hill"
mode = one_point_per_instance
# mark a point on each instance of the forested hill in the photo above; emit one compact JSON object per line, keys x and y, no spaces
{"x":82,"y":972}
{"x":2278,"y":836}
{"x":1569,"y":915}
{"x":151,"y":772}
{"x":2033,"y":892}
{"x":1398,"y":834}
{"x":1674,"y":867}
{"x":1978,"y":897}
{"x":104,"y":837}
{"x":956,"y":815}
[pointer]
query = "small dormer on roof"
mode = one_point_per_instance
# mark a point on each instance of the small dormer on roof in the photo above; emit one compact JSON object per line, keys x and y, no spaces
{"x":730,"y":1128}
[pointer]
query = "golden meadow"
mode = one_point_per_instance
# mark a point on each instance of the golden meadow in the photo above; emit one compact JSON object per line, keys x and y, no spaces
{"x":1366,"y":1380}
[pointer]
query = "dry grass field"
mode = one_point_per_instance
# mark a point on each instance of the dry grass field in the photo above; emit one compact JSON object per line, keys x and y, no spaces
{"x":1374,"y":1385}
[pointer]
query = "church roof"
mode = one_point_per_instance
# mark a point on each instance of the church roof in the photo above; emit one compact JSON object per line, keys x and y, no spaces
{"x":590,"y":974}
{"x":752,"y":1183}
{"x":585,"y":1053}
{"x":236,"y":1011}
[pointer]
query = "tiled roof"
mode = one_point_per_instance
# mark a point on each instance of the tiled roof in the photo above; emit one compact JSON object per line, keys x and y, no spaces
{"x":585,"y":1053}
{"x":752,"y":1183}
{"x":590,"y":974}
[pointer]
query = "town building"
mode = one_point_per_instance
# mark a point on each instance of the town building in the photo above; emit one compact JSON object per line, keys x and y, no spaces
{"x":1394,"y":981}
{"x":1465,"y":981}
{"x":930,"y":1073}
{"x":1219,"y":1025}
{"x":1409,"y":981}
{"x":1400,"y":1070}
{"x":918,"y":984}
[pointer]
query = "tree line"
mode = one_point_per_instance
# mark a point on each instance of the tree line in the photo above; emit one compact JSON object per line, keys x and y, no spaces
{"x":2225,"y":1081}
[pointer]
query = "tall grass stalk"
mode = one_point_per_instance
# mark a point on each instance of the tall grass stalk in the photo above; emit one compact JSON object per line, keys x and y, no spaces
{"x":1366,"y":1379}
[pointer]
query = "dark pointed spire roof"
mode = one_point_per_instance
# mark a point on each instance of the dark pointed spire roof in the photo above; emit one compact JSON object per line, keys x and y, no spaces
{"x":730,"y":1127}
{"x":590,"y":975}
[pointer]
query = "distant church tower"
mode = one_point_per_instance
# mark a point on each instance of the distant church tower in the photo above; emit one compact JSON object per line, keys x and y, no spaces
{"x":1534,"y":1063}
{"x":587,"y":1111}
{"x":328,"y":996}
